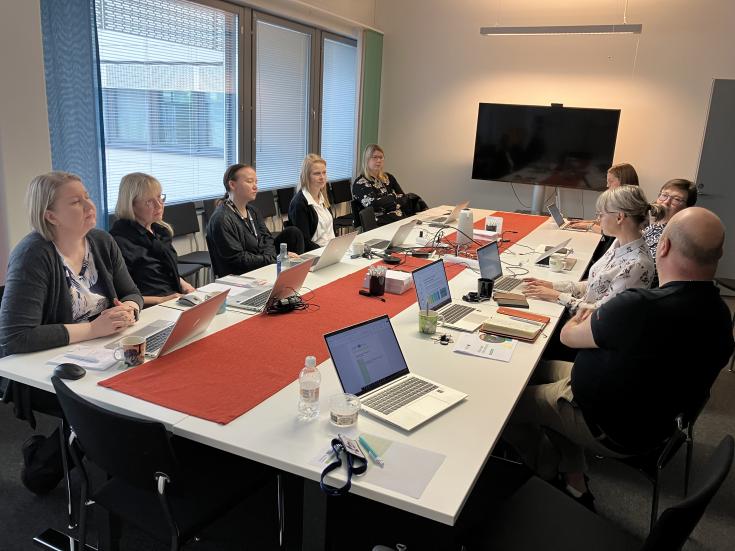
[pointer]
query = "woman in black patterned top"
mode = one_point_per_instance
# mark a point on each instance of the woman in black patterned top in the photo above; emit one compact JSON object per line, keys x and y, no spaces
{"x":380,"y":190}
{"x":675,"y":195}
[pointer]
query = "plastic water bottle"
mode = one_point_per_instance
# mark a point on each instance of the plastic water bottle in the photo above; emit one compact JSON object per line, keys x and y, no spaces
{"x":282,"y":262}
{"x":309,"y":381}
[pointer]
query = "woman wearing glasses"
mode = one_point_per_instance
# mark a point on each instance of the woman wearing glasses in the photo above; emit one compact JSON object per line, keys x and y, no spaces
{"x":380,"y":190}
{"x":146,"y":240}
{"x":621,"y":212}
{"x":675,"y":195}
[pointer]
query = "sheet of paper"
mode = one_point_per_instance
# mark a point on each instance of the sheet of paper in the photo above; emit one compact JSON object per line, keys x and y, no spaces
{"x":89,"y":357}
{"x":486,"y":346}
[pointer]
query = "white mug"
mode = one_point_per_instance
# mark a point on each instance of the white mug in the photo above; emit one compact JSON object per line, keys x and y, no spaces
{"x":556,"y":262}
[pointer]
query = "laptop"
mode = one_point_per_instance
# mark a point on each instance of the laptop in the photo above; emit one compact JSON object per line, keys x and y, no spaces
{"x":332,"y":253}
{"x":398,"y":238}
{"x":370,"y":364}
{"x":162,"y":336}
{"x":287,"y":283}
{"x":443,"y":220}
{"x":543,"y":259}
{"x":432,"y":288}
{"x":563,"y":224}
{"x":488,"y":256}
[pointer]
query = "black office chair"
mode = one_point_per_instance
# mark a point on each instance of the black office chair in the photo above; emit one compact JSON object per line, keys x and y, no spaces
{"x":208,"y":206}
{"x":284,"y":196}
{"x":339,"y":192}
{"x":217,"y":267}
{"x":265,"y":202}
{"x":169,"y":488}
{"x":2,"y":292}
{"x":728,"y":284}
{"x":184,"y":220}
{"x":367,"y":219}
{"x":539,"y":516}
{"x":356,"y":207}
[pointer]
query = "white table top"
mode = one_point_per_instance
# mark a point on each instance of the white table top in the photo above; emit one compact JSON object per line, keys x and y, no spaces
{"x":270,"y":433}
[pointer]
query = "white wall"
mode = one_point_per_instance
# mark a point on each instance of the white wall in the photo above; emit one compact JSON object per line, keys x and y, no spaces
{"x":437,"y":68}
{"x":24,"y":139}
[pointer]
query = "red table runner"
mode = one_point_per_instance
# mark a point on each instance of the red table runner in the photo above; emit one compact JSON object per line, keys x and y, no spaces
{"x":224,"y":375}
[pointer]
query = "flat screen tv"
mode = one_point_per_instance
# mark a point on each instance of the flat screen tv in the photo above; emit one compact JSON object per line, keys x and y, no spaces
{"x":549,"y":145}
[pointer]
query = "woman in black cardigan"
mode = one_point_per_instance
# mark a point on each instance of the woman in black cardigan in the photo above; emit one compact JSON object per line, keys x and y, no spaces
{"x":66,"y":283}
{"x":145,"y":240}
{"x":309,"y":209}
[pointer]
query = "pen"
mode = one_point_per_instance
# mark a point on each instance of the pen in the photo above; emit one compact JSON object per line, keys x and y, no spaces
{"x":81,"y":358}
{"x":371,"y":452}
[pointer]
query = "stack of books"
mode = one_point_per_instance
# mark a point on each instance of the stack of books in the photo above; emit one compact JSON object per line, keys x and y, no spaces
{"x":517,"y":324}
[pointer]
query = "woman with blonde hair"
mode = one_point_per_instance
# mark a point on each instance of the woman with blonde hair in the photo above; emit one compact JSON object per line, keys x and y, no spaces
{"x":622,"y":212}
{"x":145,"y":240}
{"x":66,"y":283}
{"x":309,"y":208}
{"x":380,"y":190}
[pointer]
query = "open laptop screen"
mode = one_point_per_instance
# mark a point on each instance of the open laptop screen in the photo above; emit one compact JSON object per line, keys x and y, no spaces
{"x":432,"y":286}
{"x":556,"y":215}
{"x":366,"y":355}
{"x":488,"y":257}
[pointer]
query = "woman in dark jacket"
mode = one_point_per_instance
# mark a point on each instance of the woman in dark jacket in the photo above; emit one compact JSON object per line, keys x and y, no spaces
{"x":309,"y":209}
{"x":66,"y":283}
{"x":145,"y":240}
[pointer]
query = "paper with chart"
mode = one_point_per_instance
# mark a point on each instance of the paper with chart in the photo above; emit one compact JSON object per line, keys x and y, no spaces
{"x":486,"y":346}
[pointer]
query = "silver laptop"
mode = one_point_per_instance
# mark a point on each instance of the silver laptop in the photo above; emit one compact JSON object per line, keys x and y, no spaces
{"x":561,"y":222}
{"x":432,"y":291}
{"x":443,"y":220}
{"x":370,"y":364}
{"x":287,"y":283}
{"x":332,"y":253}
{"x":163,"y":336}
{"x":543,"y":259}
{"x":488,"y":257}
{"x":398,"y":238}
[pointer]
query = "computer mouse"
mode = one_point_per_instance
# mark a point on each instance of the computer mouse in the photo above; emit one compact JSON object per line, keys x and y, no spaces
{"x":189,"y":300}
{"x":69,"y":371}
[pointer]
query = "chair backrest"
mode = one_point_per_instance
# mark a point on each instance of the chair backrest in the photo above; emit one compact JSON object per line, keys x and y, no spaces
{"x":2,"y":292}
{"x":341,"y":191}
{"x":131,"y":448}
{"x":285,"y":195}
{"x":265,"y":203}
{"x":356,"y":208}
{"x":676,"y":523}
{"x":217,"y":267}
{"x":208,"y":205}
{"x":182,"y":217}
{"x":367,"y":219}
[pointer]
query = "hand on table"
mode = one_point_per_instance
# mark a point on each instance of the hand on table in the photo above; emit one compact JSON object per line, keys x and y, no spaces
{"x":186,"y":287}
{"x":113,"y":320}
{"x":539,"y":289}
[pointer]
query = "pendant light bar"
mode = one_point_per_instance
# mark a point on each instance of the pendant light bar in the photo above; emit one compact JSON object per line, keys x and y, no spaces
{"x":626,"y":28}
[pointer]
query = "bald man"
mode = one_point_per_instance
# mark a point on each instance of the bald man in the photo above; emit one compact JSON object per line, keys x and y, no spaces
{"x":645,"y":356}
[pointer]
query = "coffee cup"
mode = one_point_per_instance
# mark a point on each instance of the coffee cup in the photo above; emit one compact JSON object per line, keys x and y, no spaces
{"x":131,"y":350}
{"x":556,"y":262}
{"x":485,"y":287}
{"x":429,"y":320}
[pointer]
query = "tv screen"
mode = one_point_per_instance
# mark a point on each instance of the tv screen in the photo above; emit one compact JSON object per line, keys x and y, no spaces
{"x":549,"y":145}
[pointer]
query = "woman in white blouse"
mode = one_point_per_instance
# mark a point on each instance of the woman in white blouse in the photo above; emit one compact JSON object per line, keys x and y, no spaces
{"x":309,"y":209}
{"x":626,"y":264}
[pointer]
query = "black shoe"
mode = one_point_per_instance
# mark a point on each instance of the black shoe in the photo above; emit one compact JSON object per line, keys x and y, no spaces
{"x":586,"y":500}
{"x":42,"y":469}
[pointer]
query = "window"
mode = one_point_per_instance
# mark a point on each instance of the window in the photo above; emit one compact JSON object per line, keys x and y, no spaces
{"x":169,"y":93}
{"x":282,"y":97}
{"x":339,"y":102}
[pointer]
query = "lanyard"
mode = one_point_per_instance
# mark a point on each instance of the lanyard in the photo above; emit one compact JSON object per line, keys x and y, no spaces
{"x":355,"y":465}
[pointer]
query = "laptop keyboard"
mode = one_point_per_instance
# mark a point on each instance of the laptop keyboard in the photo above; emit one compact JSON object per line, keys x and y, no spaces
{"x":456,"y":312}
{"x":406,"y":391}
{"x":377,"y":243}
{"x":154,"y":342}
{"x":506,"y":283}
{"x":257,"y":302}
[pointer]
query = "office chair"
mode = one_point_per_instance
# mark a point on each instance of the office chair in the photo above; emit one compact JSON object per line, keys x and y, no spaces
{"x":356,"y":207}
{"x":728,"y":284}
{"x":340,"y":192}
{"x":367,"y":219}
{"x":539,"y":516}
{"x":170,"y":488}
{"x":184,"y":220}
{"x":284,"y":196}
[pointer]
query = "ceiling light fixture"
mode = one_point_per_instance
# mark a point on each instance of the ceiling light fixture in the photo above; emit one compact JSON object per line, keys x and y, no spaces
{"x":625,"y":28}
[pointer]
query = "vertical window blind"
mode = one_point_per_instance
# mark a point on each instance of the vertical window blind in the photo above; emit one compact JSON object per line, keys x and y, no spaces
{"x":339,"y":102}
{"x":281,"y":103}
{"x":169,"y":93}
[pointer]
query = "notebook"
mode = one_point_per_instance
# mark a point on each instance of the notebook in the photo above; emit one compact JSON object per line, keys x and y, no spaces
{"x":398,"y":238}
{"x":332,"y":253}
{"x":443,"y":220}
{"x":370,"y":364}
{"x":287,"y":283}
{"x":432,"y":288}
{"x":488,"y":256}
{"x":162,"y":336}
{"x":564,"y":224}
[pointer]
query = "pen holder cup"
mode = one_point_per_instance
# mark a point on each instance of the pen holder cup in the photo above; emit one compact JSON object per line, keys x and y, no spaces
{"x":343,"y":409}
{"x":377,"y":280}
{"x":428,"y":321}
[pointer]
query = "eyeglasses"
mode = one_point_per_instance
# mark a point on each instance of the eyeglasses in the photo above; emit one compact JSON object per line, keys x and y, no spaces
{"x":161,"y":199}
{"x":675,"y":199}
{"x":377,"y":157}
{"x":599,"y":214}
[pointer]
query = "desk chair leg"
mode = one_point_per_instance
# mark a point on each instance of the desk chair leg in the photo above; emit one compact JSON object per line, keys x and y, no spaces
{"x":688,"y":463}
{"x":654,"y":503}
{"x":281,"y":509}
{"x":67,"y":476}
